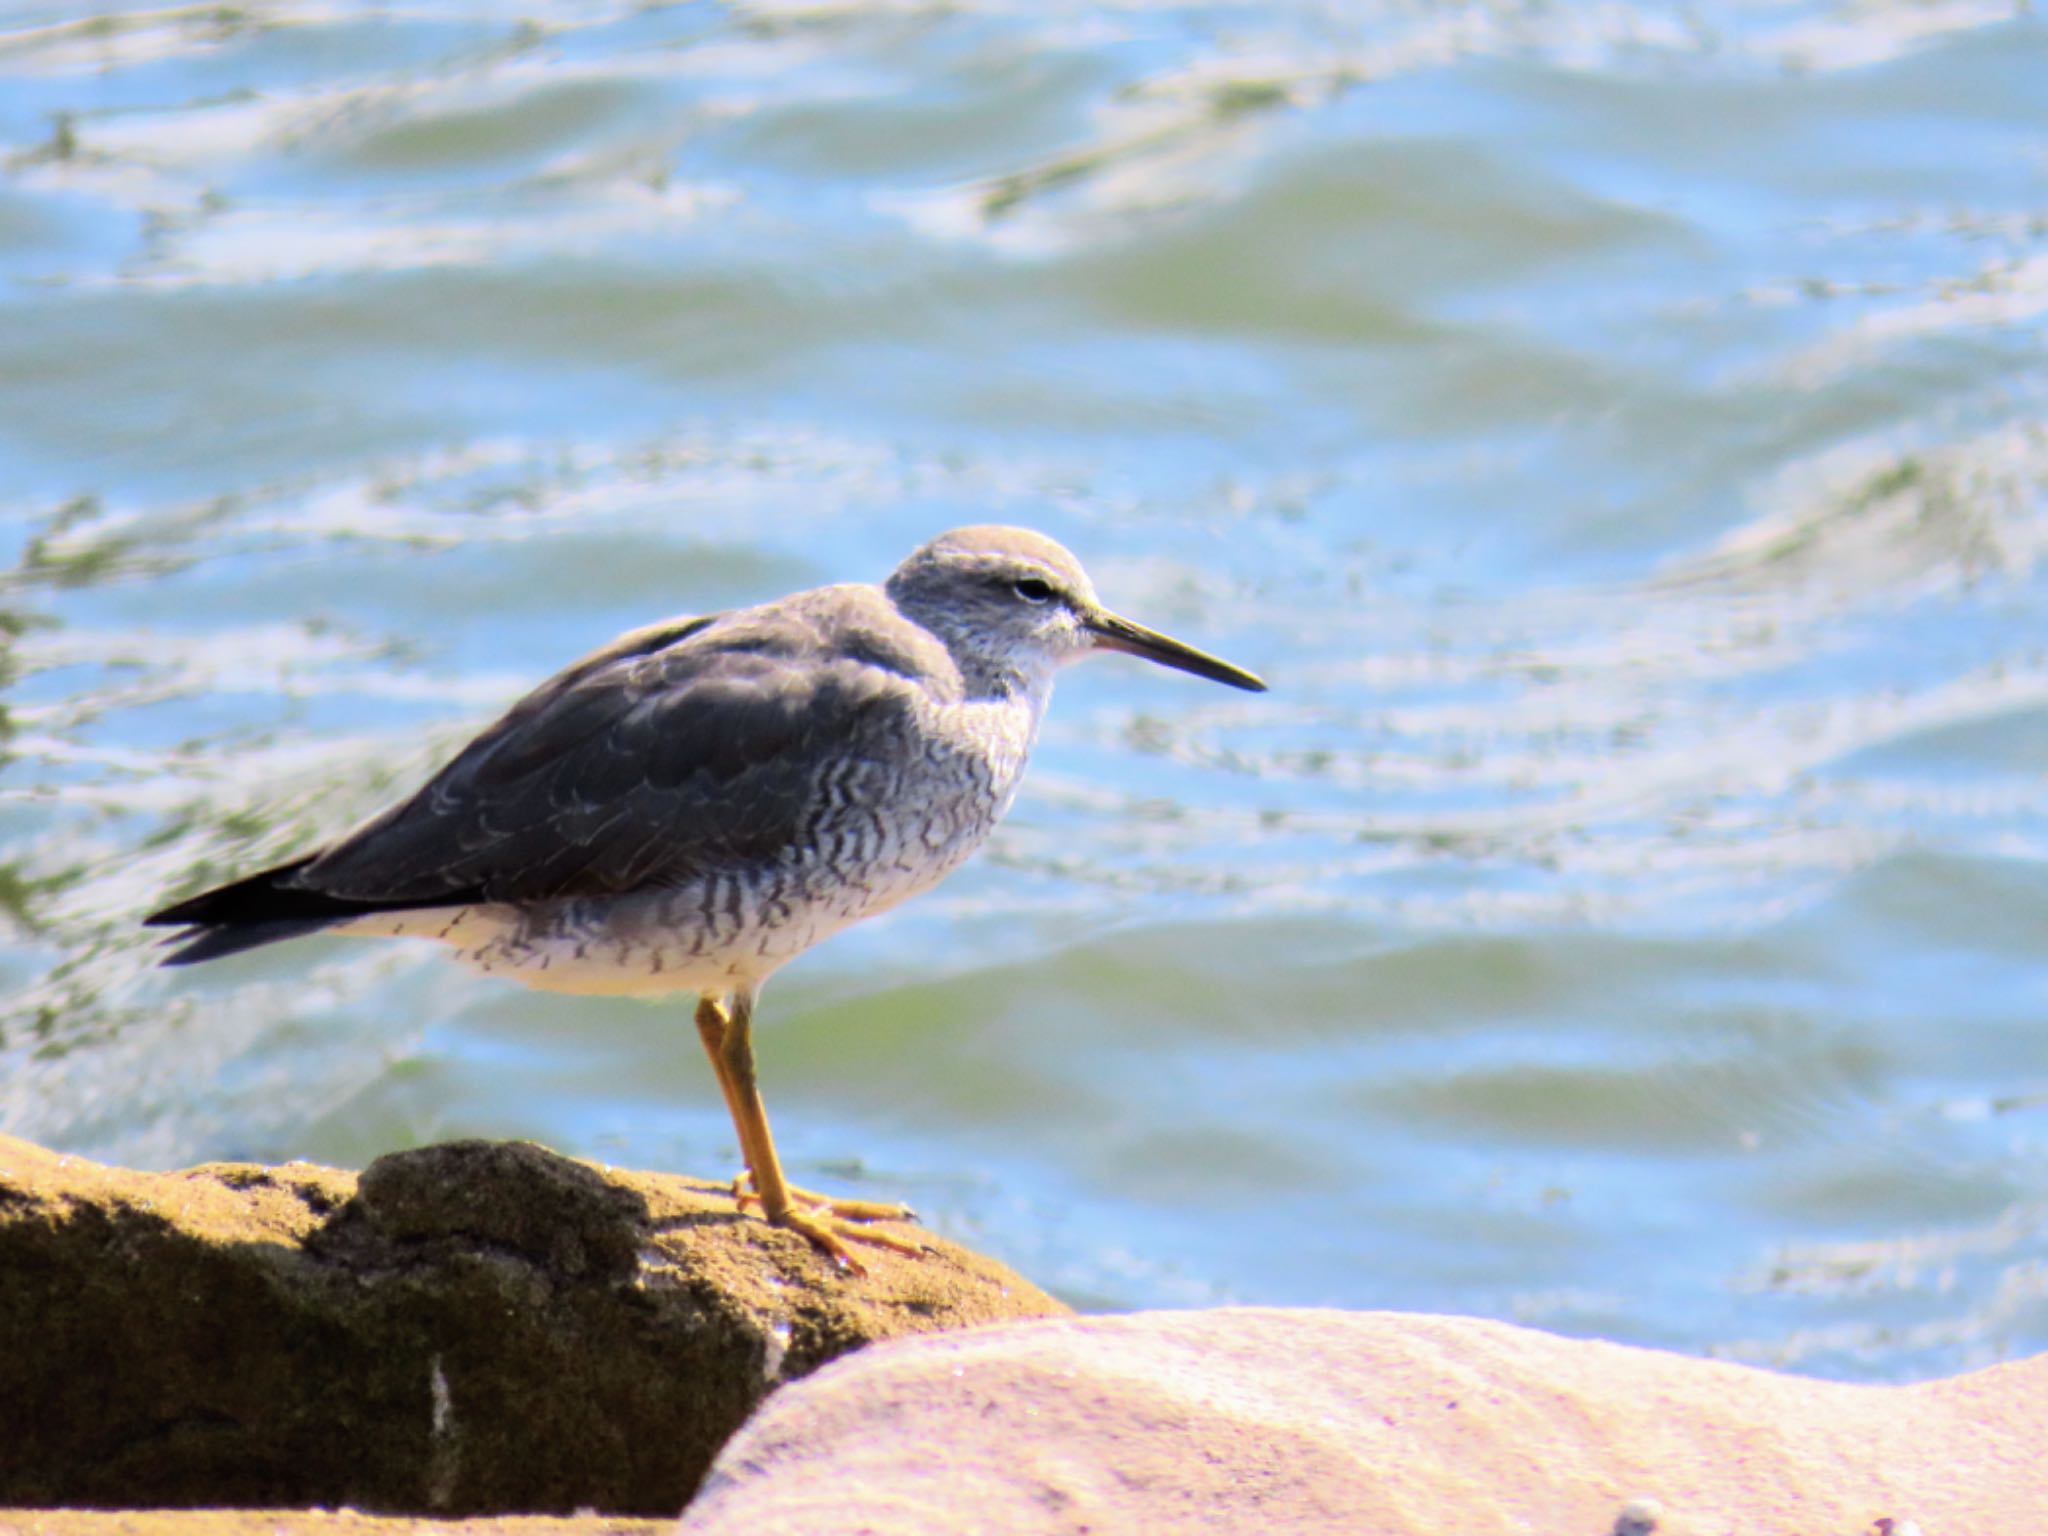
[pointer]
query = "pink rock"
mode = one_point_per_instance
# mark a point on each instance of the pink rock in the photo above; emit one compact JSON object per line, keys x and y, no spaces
{"x":1371,"y":1424}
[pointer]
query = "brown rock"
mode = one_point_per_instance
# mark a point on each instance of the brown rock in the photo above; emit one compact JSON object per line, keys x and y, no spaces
{"x":470,"y":1328}
{"x":1366,"y":1424}
{"x":305,"y":1522}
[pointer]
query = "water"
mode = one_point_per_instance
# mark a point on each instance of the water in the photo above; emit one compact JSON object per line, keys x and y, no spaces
{"x":1617,"y":431}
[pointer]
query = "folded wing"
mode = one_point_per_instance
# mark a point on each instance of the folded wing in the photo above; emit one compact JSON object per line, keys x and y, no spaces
{"x":675,"y":752}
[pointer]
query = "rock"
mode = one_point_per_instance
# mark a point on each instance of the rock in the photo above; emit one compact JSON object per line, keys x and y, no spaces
{"x":1366,"y":1424}
{"x":306,"y":1522}
{"x":470,"y":1328}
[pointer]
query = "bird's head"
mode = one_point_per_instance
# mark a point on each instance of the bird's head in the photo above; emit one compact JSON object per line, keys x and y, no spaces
{"x":1012,"y":604}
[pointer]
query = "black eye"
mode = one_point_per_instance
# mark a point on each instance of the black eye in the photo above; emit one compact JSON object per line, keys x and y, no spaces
{"x":1032,"y":590}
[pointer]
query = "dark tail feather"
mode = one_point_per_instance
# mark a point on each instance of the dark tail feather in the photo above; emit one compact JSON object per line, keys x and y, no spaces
{"x":253,"y":899}
{"x":259,"y":909}
{"x":199,"y":944}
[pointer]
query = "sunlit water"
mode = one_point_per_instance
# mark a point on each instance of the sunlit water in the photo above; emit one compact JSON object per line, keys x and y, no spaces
{"x":1618,"y":431}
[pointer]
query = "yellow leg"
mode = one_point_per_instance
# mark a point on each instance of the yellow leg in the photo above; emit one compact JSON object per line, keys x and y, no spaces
{"x":726,"y":1026}
{"x":711,"y":1024}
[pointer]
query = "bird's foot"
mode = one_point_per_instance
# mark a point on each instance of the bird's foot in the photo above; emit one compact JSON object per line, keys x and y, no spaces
{"x":826,"y":1234}
{"x":829,"y":1205}
{"x":825,"y":1220}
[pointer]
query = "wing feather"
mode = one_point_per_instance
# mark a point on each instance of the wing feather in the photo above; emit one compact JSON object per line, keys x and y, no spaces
{"x":640,"y":766}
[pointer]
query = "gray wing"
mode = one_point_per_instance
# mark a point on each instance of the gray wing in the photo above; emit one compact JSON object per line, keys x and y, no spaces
{"x":676,"y":751}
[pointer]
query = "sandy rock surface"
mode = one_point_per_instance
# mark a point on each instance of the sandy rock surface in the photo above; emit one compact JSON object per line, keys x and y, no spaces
{"x":304,"y":1522}
{"x":1261,"y":1421}
{"x":469,"y":1328}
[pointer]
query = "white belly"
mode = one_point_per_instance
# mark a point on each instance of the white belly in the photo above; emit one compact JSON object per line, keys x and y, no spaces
{"x":648,"y":945}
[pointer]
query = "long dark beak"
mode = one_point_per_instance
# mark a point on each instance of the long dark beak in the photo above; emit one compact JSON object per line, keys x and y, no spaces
{"x":1117,"y":634}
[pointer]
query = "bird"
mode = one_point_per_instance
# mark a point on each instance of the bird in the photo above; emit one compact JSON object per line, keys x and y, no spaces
{"x":692,"y":806}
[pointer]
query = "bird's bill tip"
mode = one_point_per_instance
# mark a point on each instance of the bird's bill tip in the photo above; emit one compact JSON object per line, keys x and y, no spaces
{"x":1113,"y":633}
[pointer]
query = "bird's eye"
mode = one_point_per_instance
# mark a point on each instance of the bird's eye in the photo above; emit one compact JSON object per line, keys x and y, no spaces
{"x":1032,"y":590}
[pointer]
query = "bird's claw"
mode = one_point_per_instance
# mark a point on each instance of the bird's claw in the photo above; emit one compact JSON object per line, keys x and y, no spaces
{"x":824,"y":1220}
{"x":831,"y":1205}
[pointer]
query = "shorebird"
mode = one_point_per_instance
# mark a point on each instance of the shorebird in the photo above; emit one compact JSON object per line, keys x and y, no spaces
{"x":692,"y":806}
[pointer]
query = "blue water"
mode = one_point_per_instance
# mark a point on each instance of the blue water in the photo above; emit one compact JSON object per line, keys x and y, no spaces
{"x":1619,"y":433}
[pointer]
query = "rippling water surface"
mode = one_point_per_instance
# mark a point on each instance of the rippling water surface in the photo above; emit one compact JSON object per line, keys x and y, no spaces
{"x":1618,"y":431}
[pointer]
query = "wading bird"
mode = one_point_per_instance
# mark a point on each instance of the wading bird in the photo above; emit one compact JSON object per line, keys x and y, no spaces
{"x":696,"y":804}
